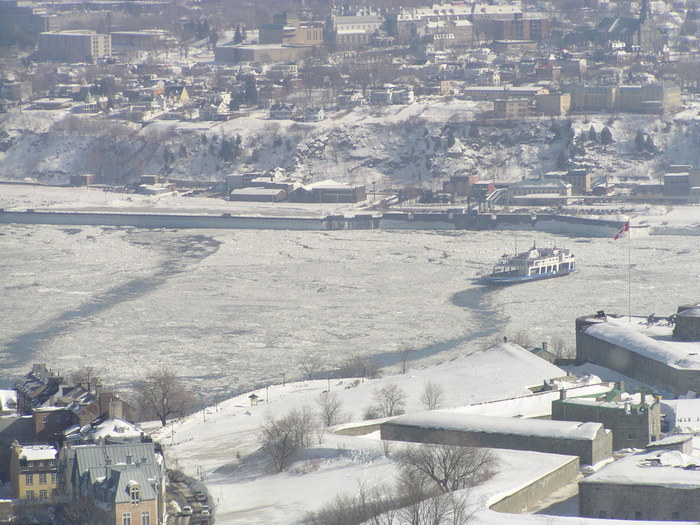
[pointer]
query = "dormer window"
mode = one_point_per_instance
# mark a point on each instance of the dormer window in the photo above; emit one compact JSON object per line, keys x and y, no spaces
{"x":135,"y":495}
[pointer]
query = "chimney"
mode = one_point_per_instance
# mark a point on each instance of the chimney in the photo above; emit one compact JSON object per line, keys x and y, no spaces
{"x":620,"y":385}
{"x":115,"y":408}
{"x":544,"y":345}
{"x":128,"y":459}
{"x":562,"y":394}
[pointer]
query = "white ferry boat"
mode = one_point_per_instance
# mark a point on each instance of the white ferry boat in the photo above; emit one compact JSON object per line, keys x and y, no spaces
{"x":532,"y":265}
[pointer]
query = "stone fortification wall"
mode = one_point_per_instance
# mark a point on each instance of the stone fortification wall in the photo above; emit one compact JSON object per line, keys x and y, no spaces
{"x":590,"y":451}
{"x":642,"y":502}
{"x":592,"y":349}
{"x":529,"y":496}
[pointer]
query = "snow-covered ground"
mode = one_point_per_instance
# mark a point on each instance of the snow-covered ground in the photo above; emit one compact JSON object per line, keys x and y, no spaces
{"x":220,"y":446}
{"x":420,"y":144}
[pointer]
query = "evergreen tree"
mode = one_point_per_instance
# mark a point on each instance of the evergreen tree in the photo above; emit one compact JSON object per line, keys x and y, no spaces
{"x":592,"y":135}
{"x":606,"y":136}
{"x":450,"y":139}
{"x":639,"y":140}
{"x":251,"y":90}
{"x":238,"y":36}
{"x":649,"y":144}
{"x":562,"y":160}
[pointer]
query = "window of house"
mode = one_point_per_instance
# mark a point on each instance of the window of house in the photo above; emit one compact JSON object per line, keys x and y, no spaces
{"x":29,"y":479}
{"x":43,"y":494}
{"x":135,"y":496}
{"x":54,"y":477}
{"x":30,"y":494}
{"x":146,"y":517}
{"x":44,"y":419}
{"x":42,"y":479}
{"x":58,"y":419}
{"x":630,"y":437}
{"x":126,"y":518}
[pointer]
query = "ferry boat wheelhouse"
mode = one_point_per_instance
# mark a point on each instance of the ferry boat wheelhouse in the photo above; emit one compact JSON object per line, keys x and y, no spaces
{"x":532,"y":265}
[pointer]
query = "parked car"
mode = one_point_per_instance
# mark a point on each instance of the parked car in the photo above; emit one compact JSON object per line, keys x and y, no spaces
{"x":186,"y":511}
{"x":205,"y":514}
{"x":200,"y":496}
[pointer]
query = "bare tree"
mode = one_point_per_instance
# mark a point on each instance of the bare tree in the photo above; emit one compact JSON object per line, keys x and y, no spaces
{"x":432,"y":395}
{"x":330,"y":407}
{"x":521,"y":338}
{"x":405,"y":354}
{"x":310,"y":366}
{"x":85,"y":375}
{"x":80,"y":510}
{"x":559,"y":347}
{"x":449,"y":467}
{"x":162,"y":394}
{"x":354,"y":366}
{"x":390,"y":400}
{"x":281,"y":438}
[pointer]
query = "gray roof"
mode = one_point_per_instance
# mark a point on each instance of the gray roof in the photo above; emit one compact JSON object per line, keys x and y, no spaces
{"x":108,"y":469}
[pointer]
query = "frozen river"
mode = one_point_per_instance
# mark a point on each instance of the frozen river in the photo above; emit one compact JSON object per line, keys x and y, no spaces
{"x":235,"y":309}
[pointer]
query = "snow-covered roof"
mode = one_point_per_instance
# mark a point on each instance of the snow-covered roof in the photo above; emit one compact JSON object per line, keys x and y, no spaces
{"x":667,"y":468}
{"x":535,"y":405}
{"x":626,"y":400}
{"x":115,"y":427}
{"x":652,"y":341}
{"x":256,"y":191}
{"x":37,"y":453}
{"x":501,"y":425}
{"x":327,"y":184}
{"x":682,"y":413}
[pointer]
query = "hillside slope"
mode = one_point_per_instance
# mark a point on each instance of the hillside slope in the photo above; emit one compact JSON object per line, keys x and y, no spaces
{"x":420,"y":144}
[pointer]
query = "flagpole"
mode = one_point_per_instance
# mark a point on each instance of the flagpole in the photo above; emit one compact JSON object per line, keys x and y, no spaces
{"x":629,"y":274}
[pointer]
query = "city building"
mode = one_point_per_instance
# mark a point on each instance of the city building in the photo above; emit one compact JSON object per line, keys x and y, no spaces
{"x":80,"y":45}
{"x":539,"y":192}
{"x":145,"y":40}
{"x":20,"y":24}
{"x":351,"y":27}
{"x":120,"y":483}
{"x":512,"y":107}
{"x":521,"y":28}
{"x":33,"y":471}
{"x":288,"y":29}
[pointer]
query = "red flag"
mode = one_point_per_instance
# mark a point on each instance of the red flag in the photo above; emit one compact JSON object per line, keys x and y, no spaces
{"x":624,"y":229}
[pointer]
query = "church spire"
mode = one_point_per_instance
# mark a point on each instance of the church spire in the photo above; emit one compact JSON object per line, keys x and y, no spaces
{"x":644,"y":13}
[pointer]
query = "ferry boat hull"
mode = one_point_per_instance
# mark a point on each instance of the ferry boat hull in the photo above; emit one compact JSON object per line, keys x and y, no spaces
{"x":501,"y":280}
